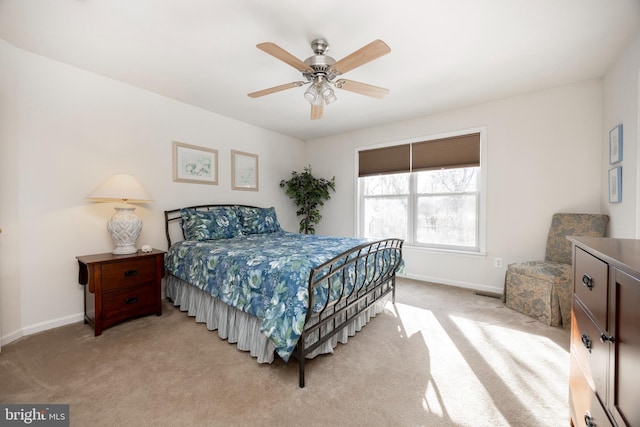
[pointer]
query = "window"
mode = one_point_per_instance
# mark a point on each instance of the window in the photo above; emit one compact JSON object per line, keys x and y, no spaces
{"x":385,"y":205}
{"x":446,"y":211}
{"x":433,"y":202}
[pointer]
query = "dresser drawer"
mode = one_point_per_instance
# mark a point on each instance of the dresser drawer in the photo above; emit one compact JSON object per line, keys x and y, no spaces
{"x":591,"y":285}
{"x":128,"y":273}
{"x":585,"y":405}
{"x":130,"y":302}
{"x":591,"y":353}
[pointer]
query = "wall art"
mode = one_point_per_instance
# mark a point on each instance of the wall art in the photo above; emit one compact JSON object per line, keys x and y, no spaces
{"x":615,"y":185}
{"x":194,"y":164}
{"x":244,"y":171}
{"x":615,"y":144}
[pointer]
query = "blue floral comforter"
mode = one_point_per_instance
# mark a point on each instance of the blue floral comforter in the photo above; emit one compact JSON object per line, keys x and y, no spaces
{"x":265,"y":275}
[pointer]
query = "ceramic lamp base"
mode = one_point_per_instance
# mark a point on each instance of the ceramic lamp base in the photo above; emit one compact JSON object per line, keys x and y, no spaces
{"x":125,"y":228}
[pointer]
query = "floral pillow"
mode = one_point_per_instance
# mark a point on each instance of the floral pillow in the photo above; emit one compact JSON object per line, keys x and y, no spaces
{"x":259,"y":220}
{"x":217,"y":223}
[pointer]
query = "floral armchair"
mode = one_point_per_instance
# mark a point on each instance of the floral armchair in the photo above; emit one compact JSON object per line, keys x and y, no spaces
{"x":543,"y":289}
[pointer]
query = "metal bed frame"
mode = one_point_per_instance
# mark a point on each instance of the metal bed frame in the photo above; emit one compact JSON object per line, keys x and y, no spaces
{"x":358,"y":279}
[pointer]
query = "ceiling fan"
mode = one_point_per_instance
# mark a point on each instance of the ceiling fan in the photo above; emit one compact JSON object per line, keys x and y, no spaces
{"x":321,"y":72}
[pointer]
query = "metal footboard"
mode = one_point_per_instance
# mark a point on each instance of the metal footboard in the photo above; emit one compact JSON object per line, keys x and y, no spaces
{"x":345,"y":287}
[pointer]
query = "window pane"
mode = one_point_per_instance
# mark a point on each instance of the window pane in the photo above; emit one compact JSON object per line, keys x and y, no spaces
{"x":385,"y":217}
{"x":380,"y":185}
{"x":448,"y":180}
{"x":447,"y":220}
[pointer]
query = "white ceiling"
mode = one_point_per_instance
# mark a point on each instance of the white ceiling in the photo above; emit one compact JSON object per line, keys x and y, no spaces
{"x":444,"y":53}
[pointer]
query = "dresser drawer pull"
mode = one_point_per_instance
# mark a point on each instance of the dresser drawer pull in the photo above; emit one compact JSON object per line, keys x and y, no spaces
{"x":588,"y":420}
{"x":587,"y":342}
{"x":130,"y":273}
{"x":604,"y":337}
{"x":131,"y":300}
{"x":587,"y":281}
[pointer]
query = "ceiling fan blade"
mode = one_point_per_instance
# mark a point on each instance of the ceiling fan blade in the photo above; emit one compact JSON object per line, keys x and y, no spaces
{"x":317,"y":110}
{"x":362,"y":88}
{"x":368,"y":53}
{"x":284,"y":56}
{"x":274,"y":89}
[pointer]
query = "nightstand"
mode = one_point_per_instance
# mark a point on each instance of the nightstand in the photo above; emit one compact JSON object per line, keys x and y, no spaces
{"x":120,"y":287}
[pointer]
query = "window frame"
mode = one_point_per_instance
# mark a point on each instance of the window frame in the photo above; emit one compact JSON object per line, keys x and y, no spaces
{"x":412,"y":197}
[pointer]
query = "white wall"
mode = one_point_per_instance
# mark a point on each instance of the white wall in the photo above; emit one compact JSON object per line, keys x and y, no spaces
{"x":68,"y":130}
{"x":621,"y":89}
{"x":543,"y":156}
{"x":9,"y":238}
{"x":63,"y":131}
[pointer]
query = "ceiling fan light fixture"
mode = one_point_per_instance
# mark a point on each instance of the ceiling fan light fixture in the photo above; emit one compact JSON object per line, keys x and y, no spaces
{"x":311,"y":94}
{"x":327,"y":93}
{"x":330,"y":98}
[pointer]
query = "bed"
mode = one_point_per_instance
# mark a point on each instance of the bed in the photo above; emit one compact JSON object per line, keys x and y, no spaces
{"x":271,"y":292}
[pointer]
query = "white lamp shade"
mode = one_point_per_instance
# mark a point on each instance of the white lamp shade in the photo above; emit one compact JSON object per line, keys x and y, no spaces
{"x":120,"y":188}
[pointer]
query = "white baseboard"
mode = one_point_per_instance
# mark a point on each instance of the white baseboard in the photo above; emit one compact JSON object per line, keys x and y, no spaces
{"x":39,"y":327}
{"x":11,"y":337}
{"x":467,"y":285}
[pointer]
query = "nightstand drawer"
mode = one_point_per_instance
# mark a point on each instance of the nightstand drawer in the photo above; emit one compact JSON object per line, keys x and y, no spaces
{"x":591,"y":285}
{"x":129,"y":302}
{"x":128,"y":273}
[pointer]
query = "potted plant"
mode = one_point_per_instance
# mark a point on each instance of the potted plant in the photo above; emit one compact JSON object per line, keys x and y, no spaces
{"x":308,"y":193}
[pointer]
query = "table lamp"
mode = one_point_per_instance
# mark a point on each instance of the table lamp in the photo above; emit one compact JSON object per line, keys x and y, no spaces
{"x":124,"y":226}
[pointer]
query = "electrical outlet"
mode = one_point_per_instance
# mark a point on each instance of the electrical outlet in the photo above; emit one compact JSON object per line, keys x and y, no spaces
{"x":497,"y":262}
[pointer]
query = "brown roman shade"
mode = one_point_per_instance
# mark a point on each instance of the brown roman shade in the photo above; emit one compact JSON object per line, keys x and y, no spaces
{"x":395,"y":159}
{"x":455,"y":152}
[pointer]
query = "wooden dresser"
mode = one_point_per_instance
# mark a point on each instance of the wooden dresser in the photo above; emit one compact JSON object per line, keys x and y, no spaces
{"x":120,"y":287}
{"x":604,"y":364}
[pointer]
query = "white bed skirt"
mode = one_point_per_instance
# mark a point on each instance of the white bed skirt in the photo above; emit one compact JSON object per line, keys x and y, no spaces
{"x":242,"y":328}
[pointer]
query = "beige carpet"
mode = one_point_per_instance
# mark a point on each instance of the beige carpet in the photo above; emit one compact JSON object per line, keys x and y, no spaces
{"x":440,"y":357}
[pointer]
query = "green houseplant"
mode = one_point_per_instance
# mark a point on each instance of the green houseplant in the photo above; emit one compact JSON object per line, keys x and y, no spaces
{"x":308,"y":193}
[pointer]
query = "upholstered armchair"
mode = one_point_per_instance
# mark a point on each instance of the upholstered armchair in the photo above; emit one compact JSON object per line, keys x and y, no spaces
{"x":542,"y":289}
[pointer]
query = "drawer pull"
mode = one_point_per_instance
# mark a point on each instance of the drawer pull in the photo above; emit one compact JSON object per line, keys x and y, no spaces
{"x":587,"y":342}
{"x":130,"y":273}
{"x":604,"y":337}
{"x":131,"y":300}
{"x":587,"y":281}
{"x":588,"y":420}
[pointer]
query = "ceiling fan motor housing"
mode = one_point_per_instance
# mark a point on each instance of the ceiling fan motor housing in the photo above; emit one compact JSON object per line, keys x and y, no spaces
{"x":320,"y":63}
{"x":320,"y":46}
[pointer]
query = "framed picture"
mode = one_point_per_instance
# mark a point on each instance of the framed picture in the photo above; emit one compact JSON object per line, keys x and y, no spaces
{"x":195,"y":164}
{"x":244,"y":171}
{"x":615,"y":144}
{"x":615,"y":185}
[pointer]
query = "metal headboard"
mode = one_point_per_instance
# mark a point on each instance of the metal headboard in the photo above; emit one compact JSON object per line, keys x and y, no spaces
{"x":173,"y":220}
